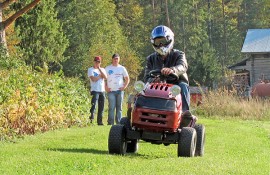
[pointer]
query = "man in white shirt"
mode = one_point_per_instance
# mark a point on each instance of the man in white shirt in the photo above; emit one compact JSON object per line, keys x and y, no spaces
{"x":117,"y":81}
{"x":97,"y":76}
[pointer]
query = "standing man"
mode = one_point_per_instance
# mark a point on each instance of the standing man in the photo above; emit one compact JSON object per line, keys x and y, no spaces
{"x":117,"y":81}
{"x":97,"y":76}
{"x":168,"y":60}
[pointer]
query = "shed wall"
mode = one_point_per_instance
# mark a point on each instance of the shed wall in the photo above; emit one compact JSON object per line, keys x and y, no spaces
{"x":259,"y":68}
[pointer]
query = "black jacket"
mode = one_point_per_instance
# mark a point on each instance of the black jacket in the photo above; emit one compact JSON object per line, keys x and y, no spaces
{"x":176,"y":60}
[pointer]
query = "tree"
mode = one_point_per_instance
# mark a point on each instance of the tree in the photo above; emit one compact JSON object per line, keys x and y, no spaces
{"x":131,"y":18}
{"x":42,"y":39}
{"x":93,"y":29}
{"x":226,"y":37}
{"x":167,"y":14}
{"x":4,"y":24}
{"x":90,"y":26}
{"x":191,"y":36}
{"x":253,"y":14}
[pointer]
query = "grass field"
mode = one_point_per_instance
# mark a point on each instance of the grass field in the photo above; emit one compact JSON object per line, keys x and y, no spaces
{"x":232,"y":147}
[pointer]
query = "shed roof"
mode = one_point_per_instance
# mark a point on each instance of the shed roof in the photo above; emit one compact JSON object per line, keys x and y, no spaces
{"x":239,"y":65}
{"x":257,"y":41}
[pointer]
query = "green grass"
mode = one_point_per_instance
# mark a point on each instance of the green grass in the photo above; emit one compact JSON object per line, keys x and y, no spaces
{"x":232,"y":147}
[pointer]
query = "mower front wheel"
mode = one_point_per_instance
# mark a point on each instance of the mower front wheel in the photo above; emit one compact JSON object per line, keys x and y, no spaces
{"x":117,"y":140}
{"x":187,"y":142}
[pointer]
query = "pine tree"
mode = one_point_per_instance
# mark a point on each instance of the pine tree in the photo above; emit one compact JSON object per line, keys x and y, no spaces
{"x":42,"y":38}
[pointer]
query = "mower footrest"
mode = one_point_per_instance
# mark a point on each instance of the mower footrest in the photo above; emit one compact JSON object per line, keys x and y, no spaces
{"x":171,"y":137}
{"x":133,"y":134}
{"x":151,"y":136}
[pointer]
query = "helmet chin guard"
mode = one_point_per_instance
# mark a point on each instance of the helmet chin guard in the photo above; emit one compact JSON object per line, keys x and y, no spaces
{"x":162,"y":50}
{"x":164,"y":33}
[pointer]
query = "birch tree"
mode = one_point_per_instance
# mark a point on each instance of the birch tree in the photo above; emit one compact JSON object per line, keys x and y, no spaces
{"x":5,"y":23}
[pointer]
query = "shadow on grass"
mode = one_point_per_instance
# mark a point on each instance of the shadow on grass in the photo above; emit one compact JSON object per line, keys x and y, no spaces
{"x":96,"y":151}
{"x":103,"y":152}
{"x":79,"y":150}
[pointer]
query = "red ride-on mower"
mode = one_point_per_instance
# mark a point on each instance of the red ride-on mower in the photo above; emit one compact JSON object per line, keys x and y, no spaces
{"x":155,"y":115}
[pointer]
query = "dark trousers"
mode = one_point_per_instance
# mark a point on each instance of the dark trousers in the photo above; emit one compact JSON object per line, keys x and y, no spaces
{"x":97,"y":97}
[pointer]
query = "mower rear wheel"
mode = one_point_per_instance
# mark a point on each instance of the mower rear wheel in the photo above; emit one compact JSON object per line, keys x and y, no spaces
{"x":126,"y":122}
{"x":187,"y":142}
{"x":200,"y":129}
{"x":117,"y":140}
{"x":132,"y":146}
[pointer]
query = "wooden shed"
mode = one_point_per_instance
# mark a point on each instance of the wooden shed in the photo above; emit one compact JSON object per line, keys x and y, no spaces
{"x":196,"y":94}
{"x":256,"y":65}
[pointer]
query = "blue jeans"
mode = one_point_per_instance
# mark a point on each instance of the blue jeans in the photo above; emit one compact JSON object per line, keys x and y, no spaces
{"x":115,"y":99}
{"x":185,"y":96}
{"x":100,"y":98}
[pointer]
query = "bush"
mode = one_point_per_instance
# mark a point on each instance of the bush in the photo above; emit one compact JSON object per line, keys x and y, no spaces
{"x":33,"y":102}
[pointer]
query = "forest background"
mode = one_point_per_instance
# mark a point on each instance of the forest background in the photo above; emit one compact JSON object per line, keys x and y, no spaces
{"x":44,"y":82}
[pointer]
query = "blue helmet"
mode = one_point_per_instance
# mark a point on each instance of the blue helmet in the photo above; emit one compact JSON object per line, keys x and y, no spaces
{"x":162,"y":39}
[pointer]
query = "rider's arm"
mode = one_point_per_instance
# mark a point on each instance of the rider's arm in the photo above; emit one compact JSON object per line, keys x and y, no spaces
{"x":181,"y":64}
{"x":148,"y":68}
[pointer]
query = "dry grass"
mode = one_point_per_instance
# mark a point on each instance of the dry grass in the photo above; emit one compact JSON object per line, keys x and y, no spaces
{"x":226,"y":104}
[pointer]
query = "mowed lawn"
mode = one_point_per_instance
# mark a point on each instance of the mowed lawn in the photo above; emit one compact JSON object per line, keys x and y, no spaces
{"x":232,"y":147}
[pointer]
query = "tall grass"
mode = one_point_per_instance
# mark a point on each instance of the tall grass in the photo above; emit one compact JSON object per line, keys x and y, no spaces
{"x":227,"y":104}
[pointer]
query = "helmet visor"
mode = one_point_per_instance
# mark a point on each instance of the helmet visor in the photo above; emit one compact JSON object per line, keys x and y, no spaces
{"x":158,"y":42}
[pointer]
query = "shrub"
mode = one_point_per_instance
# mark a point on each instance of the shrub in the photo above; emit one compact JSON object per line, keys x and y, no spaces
{"x":33,"y":102}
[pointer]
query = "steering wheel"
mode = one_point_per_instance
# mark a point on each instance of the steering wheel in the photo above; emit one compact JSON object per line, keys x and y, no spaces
{"x":169,"y":78}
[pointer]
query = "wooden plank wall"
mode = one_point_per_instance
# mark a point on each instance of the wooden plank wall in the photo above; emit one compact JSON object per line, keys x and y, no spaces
{"x":259,"y":68}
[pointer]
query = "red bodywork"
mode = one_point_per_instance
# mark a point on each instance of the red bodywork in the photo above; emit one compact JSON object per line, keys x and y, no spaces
{"x":157,"y":120}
